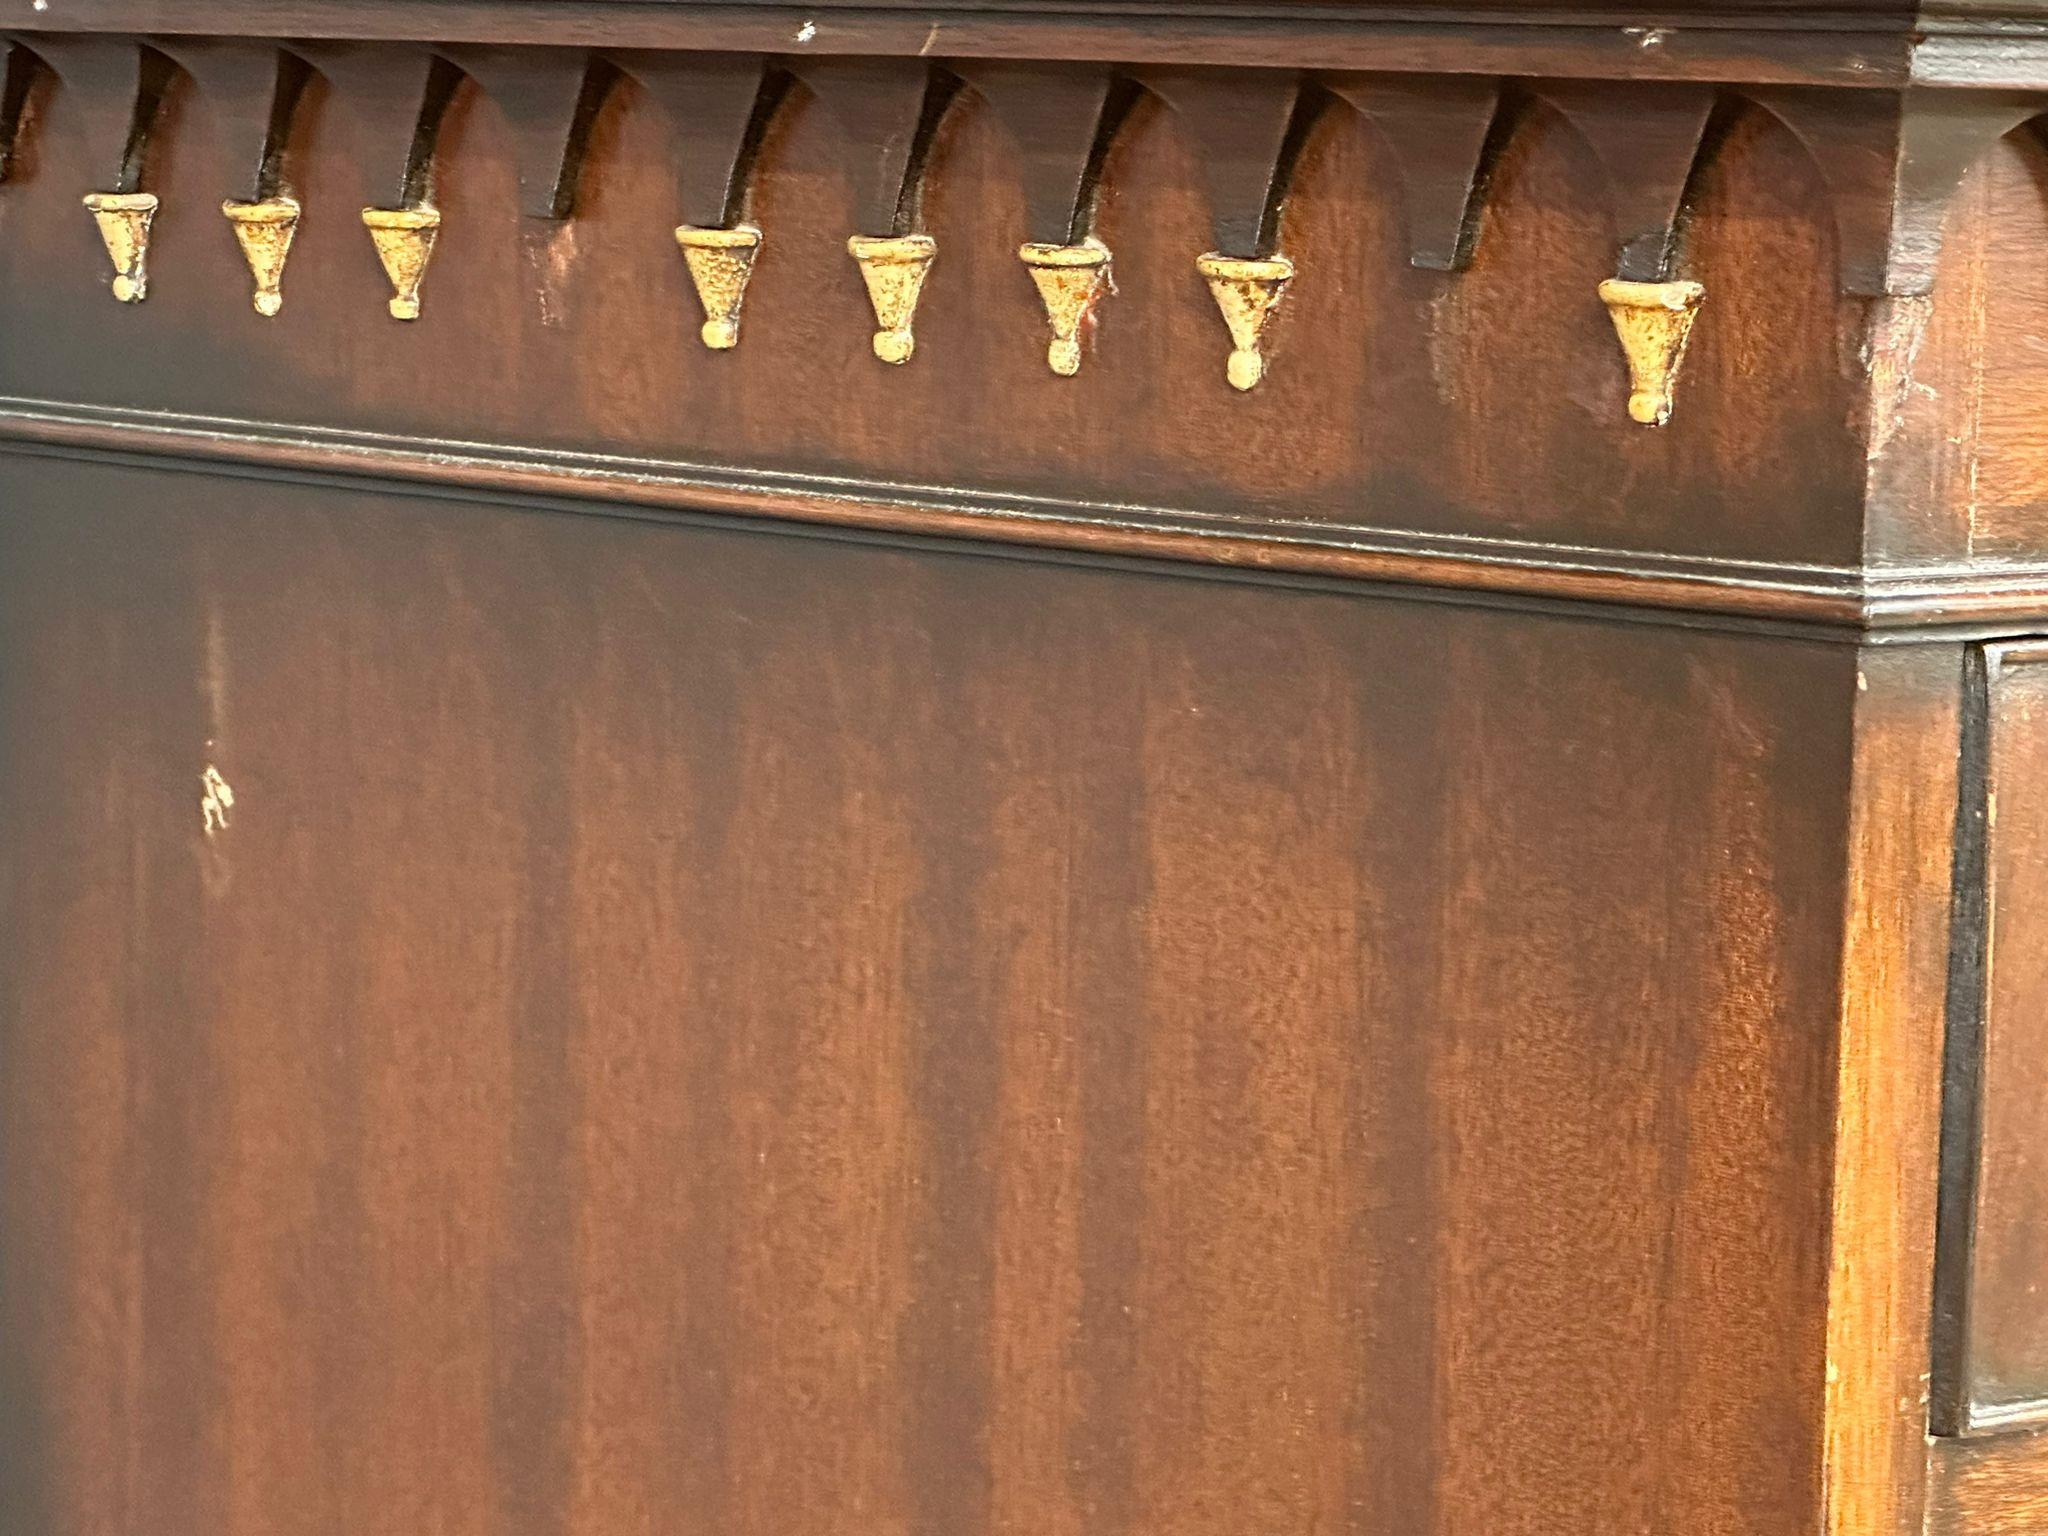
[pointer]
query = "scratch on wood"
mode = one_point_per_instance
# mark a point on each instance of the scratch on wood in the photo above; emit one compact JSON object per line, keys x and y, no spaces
{"x":551,"y":249}
{"x":1451,"y":351}
{"x":1899,"y":328}
{"x":215,"y":801}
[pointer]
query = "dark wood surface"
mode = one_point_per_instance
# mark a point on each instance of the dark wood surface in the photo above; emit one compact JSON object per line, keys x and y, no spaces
{"x":719,"y":1032}
{"x":597,"y":937}
{"x":1486,"y":403}
{"x":1843,"y":42}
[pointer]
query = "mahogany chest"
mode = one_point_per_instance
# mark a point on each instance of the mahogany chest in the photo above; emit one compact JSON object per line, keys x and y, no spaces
{"x":1175,"y":769}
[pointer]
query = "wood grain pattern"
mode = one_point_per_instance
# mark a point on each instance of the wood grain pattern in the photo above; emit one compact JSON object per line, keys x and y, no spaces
{"x":1887,"y":1105}
{"x":549,"y":97}
{"x":716,"y":107}
{"x":1972,"y":435}
{"x":1854,"y":44}
{"x":715,"y":1032}
{"x":1988,"y":1487}
{"x":1369,"y":961}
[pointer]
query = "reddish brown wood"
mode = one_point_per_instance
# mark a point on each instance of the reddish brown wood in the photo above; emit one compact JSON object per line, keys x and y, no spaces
{"x":717,"y":107}
{"x":1438,"y":131}
{"x":549,"y":97}
{"x":1994,"y":1367}
{"x":1887,"y":1103}
{"x":955,"y":951}
{"x":730,"y":1031}
{"x":1893,"y":164}
{"x":1646,"y":138}
{"x":119,"y":86}
{"x":394,"y":102}
{"x":1063,"y":120}
{"x":886,"y":110}
{"x":1995,"y":1486}
{"x":1241,"y":122}
{"x":253,"y":92}
{"x":1857,"y":44}
{"x":1388,"y":411}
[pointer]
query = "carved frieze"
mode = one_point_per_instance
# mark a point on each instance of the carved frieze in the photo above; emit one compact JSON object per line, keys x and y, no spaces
{"x":1890,"y":159}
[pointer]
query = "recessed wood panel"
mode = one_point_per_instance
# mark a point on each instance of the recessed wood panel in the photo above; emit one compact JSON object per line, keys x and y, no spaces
{"x":1996,"y":1237}
{"x":693,"y":1031}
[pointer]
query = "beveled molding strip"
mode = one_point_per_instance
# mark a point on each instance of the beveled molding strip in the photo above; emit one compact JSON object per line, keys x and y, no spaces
{"x":1870,"y":46}
{"x":1833,"y":597}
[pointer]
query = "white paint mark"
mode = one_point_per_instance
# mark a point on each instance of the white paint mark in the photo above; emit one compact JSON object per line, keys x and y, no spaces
{"x":216,"y":801}
{"x":807,"y":31}
{"x":1649,"y":39}
{"x":930,"y":39}
{"x":42,"y":5}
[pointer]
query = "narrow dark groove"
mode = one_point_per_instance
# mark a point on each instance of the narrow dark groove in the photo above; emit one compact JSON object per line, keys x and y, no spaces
{"x":417,"y":187}
{"x":1963,"y":1053}
{"x":292,"y":75}
{"x":153,"y":88}
{"x":940,"y":91}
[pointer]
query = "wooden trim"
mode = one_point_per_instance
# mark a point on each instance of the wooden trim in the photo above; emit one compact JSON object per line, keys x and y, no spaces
{"x":1970,"y":1081}
{"x":1995,"y":1486}
{"x":1949,"y":1394}
{"x":1838,"y":49}
{"x":1937,"y":599}
{"x":1887,"y":1099}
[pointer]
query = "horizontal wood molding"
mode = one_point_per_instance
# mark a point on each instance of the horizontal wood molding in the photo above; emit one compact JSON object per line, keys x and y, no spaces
{"x":1934,"y":599}
{"x":1996,"y":1486}
{"x":1856,"y":47}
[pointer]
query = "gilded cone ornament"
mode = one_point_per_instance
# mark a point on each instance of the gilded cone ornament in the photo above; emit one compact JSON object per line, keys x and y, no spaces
{"x":1653,"y":321}
{"x":894,"y":267}
{"x":404,"y":238}
{"x":720,"y":262}
{"x":264,"y":231}
{"x":1247,"y":289}
{"x":123,"y":219}
{"x":1070,"y":279}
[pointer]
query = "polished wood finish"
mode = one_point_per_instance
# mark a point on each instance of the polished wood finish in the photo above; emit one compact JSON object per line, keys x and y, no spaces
{"x":728,"y":1031}
{"x":603,"y":935}
{"x":1489,"y":405}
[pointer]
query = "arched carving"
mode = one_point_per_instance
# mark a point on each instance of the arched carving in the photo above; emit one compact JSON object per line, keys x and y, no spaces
{"x":1646,"y":138}
{"x":1892,"y":161}
{"x":1441,"y":132}
{"x":549,"y":98}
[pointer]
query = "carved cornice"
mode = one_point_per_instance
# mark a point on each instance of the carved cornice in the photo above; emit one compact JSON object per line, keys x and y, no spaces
{"x":1859,"y":45}
{"x":1890,"y":159}
{"x":1883,"y":162}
